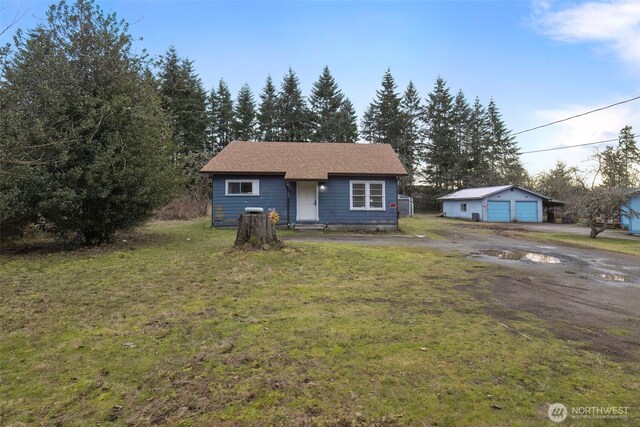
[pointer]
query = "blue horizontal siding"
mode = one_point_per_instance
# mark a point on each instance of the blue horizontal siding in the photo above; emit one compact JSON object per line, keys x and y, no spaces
{"x":225,"y":210}
{"x":633,"y":222}
{"x":335,"y":205}
{"x":333,"y":201}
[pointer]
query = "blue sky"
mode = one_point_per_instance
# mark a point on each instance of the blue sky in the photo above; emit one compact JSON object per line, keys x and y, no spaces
{"x":539,"y":60}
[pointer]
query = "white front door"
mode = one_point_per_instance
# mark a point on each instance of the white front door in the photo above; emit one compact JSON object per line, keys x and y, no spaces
{"x":307,"y":201}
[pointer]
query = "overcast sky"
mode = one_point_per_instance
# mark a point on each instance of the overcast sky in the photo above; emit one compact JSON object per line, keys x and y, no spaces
{"x":540,"y":61}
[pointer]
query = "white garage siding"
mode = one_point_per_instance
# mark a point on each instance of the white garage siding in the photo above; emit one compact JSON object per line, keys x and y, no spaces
{"x":523,"y":205}
{"x":455,"y":208}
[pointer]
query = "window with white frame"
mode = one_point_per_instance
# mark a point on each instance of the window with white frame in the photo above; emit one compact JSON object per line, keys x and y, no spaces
{"x":463,"y":207}
{"x":367,"y":195}
{"x":242,"y":187}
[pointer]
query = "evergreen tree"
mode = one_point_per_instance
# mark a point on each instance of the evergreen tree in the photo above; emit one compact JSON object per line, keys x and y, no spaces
{"x":383,"y":122}
{"x":560,"y":182}
{"x":184,"y":99}
{"x":368,"y":124}
{"x":619,"y":166}
{"x":222,"y":116}
{"x":503,"y":150}
{"x":245,"y":115}
{"x":293,"y":113}
{"x":268,"y":117}
{"x":478,"y":171}
{"x":347,"y":129}
{"x":442,"y":150}
{"x":409,"y":146}
{"x":460,"y":120}
{"x":325,"y":102}
{"x":93,"y":136}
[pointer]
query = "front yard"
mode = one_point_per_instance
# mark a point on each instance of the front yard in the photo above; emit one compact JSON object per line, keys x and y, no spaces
{"x":171,"y":327}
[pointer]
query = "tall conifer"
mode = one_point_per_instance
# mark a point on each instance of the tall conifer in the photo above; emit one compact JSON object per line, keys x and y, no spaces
{"x":293,"y":113}
{"x":268,"y":117}
{"x":325,"y":102}
{"x":244,"y":126}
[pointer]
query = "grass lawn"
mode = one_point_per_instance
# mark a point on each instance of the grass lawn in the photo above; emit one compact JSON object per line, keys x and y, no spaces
{"x":172,"y":327}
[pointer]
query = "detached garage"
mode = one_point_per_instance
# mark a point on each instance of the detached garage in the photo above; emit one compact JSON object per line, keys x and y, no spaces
{"x":503,"y":203}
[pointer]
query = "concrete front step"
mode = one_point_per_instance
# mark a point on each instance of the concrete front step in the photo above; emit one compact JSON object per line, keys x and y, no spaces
{"x":311,"y":226}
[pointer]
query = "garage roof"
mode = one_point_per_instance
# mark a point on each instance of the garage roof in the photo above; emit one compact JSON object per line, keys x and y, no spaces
{"x":482,"y":192}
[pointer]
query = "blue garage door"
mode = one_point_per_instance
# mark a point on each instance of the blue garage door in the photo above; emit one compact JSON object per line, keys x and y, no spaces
{"x":499,"y":211}
{"x":527,"y":211}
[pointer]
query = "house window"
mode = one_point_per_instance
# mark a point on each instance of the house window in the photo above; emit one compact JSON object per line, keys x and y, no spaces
{"x":463,"y":207}
{"x":242,"y":187}
{"x":367,"y":195}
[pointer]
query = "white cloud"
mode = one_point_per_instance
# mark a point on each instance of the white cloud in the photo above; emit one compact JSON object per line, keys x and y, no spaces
{"x":616,"y":24}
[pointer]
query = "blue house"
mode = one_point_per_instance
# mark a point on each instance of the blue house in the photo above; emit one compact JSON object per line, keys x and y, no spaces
{"x":337,"y":185}
{"x":631,"y":222}
{"x":502,"y":203}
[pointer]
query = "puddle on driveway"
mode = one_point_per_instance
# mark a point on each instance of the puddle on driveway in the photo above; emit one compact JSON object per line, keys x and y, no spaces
{"x":609,"y":277}
{"x":521,"y":256}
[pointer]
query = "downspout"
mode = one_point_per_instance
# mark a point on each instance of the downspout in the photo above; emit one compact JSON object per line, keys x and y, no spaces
{"x":211,"y":200}
{"x":286,"y":184}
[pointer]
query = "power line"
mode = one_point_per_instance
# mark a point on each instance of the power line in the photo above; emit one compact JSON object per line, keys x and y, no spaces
{"x":577,"y":115}
{"x":571,"y":146}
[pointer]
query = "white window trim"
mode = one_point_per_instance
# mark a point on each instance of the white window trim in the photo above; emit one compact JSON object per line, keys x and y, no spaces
{"x":255,"y":187}
{"x":367,"y":206}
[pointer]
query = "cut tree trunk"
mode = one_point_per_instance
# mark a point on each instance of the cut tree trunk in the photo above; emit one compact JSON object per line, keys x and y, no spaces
{"x":257,"y":231}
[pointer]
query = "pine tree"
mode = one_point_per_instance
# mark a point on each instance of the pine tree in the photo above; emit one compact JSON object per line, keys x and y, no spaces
{"x":268,"y":117}
{"x":560,"y":182}
{"x":222,"y":116}
{"x":245,"y":115}
{"x":383,"y":122}
{"x":409,"y":146}
{"x":503,"y":150}
{"x":478,"y":171}
{"x":442,"y":151}
{"x":368,"y":124}
{"x":325,"y":102}
{"x":293,"y":113}
{"x":460,"y":119}
{"x":184,"y":99}
{"x":347,"y":129}
{"x":619,"y":166}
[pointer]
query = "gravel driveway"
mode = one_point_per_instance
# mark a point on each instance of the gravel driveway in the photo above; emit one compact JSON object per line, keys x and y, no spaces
{"x":587,"y":295}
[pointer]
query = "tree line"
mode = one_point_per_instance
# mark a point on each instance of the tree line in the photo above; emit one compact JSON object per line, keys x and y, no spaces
{"x":444,"y":141}
{"x":96,"y":135}
{"x":209,"y":121}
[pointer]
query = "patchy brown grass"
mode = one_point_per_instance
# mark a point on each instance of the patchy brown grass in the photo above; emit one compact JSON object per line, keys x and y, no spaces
{"x":177,"y":330}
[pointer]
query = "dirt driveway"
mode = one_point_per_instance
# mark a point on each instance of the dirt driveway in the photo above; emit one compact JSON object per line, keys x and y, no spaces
{"x":586,"y":295}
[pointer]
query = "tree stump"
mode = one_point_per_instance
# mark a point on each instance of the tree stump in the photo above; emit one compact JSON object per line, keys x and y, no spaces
{"x":257,"y":231}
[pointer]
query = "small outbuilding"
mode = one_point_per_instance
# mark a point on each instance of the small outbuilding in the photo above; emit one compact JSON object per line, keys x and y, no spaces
{"x":405,"y":205}
{"x":502,"y":203}
{"x":632,"y":223}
